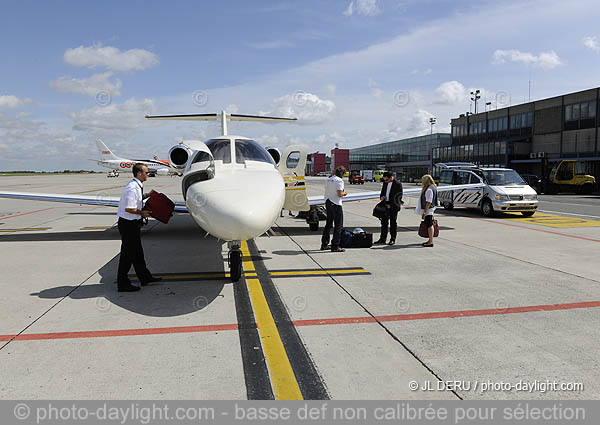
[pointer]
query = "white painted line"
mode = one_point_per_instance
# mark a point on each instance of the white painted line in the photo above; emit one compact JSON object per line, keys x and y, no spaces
{"x":576,"y":215}
{"x":568,"y":203}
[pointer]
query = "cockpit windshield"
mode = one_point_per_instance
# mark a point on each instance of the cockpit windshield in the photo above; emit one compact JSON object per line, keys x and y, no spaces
{"x":250,"y":150}
{"x":220,"y":149}
{"x":503,"y":177}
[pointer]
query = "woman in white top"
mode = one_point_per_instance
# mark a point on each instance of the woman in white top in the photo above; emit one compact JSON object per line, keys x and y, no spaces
{"x":426,"y":205}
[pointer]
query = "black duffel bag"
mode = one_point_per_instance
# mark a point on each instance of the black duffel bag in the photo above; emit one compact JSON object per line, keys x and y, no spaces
{"x":380,"y":211}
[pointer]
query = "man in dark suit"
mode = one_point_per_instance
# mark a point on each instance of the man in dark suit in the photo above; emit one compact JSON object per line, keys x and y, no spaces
{"x":391,"y":195}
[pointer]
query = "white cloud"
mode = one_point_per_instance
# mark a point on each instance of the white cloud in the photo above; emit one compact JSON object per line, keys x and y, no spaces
{"x":307,"y":107}
{"x":110,"y":58}
{"x":419,"y":123}
{"x":330,"y":89}
{"x":591,"y":43}
{"x":375,"y":90}
{"x":450,"y":93}
{"x":362,"y":7}
{"x":10,"y":101}
{"x":545,"y":60}
{"x":117,"y":119}
{"x":89,"y":86}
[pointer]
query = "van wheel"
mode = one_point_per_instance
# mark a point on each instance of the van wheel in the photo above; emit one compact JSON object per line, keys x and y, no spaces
{"x":586,"y":189}
{"x":486,"y":208}
{"x":448,"y":206}
{"x":527,"y":213}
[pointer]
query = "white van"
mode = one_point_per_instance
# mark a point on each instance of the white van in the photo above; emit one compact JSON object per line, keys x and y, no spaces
{"x":501,"y":190}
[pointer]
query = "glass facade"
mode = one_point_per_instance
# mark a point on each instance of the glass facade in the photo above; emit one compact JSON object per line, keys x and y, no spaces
{"x":408,"y":158}
{"x":406,"y":150}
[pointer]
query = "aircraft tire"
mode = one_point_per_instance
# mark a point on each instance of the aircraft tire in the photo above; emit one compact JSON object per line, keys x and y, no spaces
{"x":235,"y":265}
{"x":314,"y":226}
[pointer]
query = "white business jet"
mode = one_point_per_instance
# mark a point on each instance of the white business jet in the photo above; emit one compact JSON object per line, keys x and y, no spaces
{"x":233,"y":187}
{"x":113,"y":162}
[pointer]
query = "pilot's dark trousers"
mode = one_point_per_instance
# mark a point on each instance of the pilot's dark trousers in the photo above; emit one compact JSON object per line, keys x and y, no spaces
{"x":390,"y":218}
{"x":335,"y":219}
{"x":131,"y":252}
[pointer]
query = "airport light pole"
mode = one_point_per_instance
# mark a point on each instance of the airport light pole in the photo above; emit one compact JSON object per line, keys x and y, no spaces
{"x":475,"y":96}
{"x":431,"y":122}
{"x":488,"y":104}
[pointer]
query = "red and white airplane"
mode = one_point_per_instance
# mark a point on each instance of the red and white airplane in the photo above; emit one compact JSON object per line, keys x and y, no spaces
{"x":233,"y":187}
{"x":113,"y":162}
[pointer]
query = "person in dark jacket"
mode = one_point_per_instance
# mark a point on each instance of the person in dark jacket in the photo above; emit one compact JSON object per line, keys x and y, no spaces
{"x":391,"y":195}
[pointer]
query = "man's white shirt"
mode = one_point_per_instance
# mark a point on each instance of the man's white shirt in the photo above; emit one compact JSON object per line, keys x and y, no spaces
{"x":387,"y":192}
{"x":131,"y":198}
{"x":334,"y":183}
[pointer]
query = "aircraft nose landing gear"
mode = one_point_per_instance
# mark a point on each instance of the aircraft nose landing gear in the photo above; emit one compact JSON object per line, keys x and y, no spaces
{"x":235,"y":262}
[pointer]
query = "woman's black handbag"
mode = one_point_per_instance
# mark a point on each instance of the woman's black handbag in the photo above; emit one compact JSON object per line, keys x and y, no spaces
{"x":380,"y":210}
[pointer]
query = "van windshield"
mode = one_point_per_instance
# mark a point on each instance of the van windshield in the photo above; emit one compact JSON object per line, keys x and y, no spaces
{"x":503,"y":177}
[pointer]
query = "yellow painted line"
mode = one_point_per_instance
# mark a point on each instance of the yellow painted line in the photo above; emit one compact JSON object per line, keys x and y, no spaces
{"x":32,"y":229}
{"x":313,"y":272}
{"x":283,"y":380}
{"x":557,"y":221}
{"x":296,"y":188}
{"x":293,"y":178}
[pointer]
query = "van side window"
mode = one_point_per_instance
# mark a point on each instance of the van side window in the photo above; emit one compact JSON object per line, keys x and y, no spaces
{"x":474,"y":179}
{"x":446,"y":177}
{"x":462,"y":177}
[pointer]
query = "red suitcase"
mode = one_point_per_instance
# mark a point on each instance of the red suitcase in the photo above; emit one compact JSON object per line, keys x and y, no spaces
{"x":161,"y":206}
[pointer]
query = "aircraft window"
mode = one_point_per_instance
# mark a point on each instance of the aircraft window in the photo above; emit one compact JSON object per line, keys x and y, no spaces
{"x":220,"y":149}
{"x":201,"y":156}
{"x":293,"y":159}
{"x":249,"y":150}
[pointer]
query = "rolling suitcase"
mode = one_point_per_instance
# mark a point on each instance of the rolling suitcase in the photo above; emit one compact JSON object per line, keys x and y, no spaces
{"x":161,"y":206}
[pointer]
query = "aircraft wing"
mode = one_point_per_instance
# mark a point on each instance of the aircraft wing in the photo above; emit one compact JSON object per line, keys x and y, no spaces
{"x":361,"y":196}
{"x":99,"y":200}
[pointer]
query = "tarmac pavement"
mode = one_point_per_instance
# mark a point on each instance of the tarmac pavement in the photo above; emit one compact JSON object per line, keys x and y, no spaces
{"x":499,"y":300}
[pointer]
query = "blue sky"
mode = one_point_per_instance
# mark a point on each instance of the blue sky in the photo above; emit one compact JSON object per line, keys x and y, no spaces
{"x":354,"y":72}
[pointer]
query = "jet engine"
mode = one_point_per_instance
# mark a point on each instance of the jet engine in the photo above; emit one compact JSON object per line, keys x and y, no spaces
{"x":201,"y":168}
{"x":275,"y":154}
{"x":179,"y":156}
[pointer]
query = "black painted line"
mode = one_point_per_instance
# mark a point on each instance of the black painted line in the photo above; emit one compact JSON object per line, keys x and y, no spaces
{"x":256,"y":374}
{"x":308,"y":378}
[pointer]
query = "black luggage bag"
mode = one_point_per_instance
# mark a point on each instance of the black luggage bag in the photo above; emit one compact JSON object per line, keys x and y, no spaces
{"x":362,"y":240}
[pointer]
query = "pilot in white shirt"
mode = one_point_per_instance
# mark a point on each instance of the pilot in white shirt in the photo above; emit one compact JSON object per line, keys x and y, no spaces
{"x":130,"y":214}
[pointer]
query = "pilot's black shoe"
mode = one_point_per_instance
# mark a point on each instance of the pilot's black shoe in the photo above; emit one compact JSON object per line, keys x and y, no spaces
{"x":127,"y":288}
{"x":151,"y":280}
{"x":392,"y":242}
{"x":325,"y":247}
{"x":379,"y":242}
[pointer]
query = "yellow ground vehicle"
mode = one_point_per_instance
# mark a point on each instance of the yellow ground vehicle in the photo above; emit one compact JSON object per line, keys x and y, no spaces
{"x":378,"y":175}
{"x":570,"y":176}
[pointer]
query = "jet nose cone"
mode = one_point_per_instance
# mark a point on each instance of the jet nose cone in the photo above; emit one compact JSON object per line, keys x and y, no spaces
{"x":237,"y":213}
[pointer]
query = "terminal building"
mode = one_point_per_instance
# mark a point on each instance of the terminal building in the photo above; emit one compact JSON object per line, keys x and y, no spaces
{"x":529,"y":137}
{"x":408,"y":158}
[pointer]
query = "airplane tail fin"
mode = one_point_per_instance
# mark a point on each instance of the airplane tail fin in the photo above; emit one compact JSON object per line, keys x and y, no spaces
{"x":105,"y":153}
{"x":291,"y":167}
